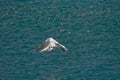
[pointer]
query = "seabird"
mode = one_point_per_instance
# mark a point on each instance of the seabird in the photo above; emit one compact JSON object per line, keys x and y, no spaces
{"x":49,"y":44}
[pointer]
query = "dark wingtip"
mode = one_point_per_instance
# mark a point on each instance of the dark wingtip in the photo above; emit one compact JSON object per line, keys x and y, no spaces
{"x":65,"y":50}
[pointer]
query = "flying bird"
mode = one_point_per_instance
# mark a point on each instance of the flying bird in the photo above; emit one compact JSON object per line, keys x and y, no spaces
{"x":49,"y":44}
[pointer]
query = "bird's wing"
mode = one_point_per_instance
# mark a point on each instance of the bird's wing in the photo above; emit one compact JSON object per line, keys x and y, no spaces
{"x":40,"y":46}
{"x":62,"y":47}
{"x":45,"y":49}
{"x":53,"y":40}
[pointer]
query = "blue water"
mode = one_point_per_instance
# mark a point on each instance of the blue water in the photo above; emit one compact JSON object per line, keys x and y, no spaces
{"x":90,"y":29}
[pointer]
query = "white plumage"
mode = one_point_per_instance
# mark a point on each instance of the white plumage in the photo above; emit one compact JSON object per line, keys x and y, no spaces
{"x":49,"y":44}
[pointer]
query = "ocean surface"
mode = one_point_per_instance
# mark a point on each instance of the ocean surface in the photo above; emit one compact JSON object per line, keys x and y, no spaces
{"x":90,"y":29}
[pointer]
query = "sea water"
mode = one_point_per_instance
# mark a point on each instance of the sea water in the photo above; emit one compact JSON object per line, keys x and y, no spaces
{"x":90,"y":29}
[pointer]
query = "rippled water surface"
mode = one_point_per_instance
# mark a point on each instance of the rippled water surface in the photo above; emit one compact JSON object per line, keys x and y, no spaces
{"x":90,"y":29}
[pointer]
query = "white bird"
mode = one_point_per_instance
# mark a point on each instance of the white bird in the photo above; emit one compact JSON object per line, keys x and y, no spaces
{"x":49,"y":44}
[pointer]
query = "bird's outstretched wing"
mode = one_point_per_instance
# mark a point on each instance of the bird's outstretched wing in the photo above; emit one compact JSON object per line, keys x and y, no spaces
{"x":62,"y":47}
{"x":40,"y":46}
{"x":45,"y":49}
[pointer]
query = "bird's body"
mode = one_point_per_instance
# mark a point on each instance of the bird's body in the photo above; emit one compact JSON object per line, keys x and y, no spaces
{"x":49,"y":44}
